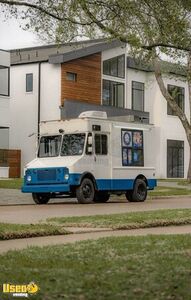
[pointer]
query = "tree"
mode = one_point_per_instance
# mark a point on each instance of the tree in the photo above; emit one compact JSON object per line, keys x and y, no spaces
{"x":150,"y":27}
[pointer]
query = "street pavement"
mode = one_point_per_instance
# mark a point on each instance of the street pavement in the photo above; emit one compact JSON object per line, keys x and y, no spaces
{"x":16,"y":207}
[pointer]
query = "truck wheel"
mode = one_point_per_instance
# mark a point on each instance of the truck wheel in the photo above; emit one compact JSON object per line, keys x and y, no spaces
{"x":128,"y":195}
{"x":101,"y":197}
{"x":85,"y":192}
{"x":139,"y":193}
{"x":41,"y":198}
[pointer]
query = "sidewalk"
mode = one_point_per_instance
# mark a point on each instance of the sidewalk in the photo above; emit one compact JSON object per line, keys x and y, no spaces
{"x":76,"y":237}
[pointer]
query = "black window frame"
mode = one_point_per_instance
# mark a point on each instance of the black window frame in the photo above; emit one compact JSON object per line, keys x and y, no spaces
{"x":172,"y":145}
{"x":8,"y":92}
{"x":101,"y":152}
{"x":127,"y":147}
{"x":74,"y":76}
{"x":112,"y":101}
{"x":133,"y":89}
{"x":29,"y":90}
{"x":107,"y":66}
{"x":169,"y":109}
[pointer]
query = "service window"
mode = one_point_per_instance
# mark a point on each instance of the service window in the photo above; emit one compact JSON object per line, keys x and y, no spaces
{"x":132,"y":147}
{"x":101,"y":145}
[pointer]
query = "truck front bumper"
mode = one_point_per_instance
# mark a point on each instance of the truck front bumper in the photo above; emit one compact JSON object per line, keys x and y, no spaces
{"x":46,"y":188}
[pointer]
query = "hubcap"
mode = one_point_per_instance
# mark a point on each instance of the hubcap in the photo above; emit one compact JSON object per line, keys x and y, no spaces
{"x":87,"y":191}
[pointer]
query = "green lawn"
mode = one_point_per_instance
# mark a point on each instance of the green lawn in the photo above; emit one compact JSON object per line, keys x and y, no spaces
{"x":131,"y":220}
{"x":16,"y":231}
{"x":11,"y":183}
{"x":168,"y":191}
{"x":133,"y":268}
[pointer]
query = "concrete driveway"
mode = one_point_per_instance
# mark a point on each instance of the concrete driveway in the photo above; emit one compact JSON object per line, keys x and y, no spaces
{"x":16,"y":207}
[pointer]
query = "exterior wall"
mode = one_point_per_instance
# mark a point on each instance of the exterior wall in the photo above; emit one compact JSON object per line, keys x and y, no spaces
{"x":4,"y":100}
{"x":166,"y":126}
{"x":88,"y":84}
{"x":24,"y":106}
{"x":50,"y":92}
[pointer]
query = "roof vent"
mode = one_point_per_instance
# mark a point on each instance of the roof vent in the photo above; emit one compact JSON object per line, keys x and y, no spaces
{"x":93,"y":114}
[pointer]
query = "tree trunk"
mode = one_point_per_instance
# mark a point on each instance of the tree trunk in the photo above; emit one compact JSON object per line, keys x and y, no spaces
{"x":177,"y":110}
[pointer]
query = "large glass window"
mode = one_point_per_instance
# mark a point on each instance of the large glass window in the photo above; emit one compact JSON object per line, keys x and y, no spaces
{"x":73,"y":144}
{"x":177,"y":93}
{"x":113,"y":93}
{"x":115,"y":66}
{"x":101,"y":144}
{"x":29,"y":83}
{"x":175,"y":159}
{"x":137,"y":95}
{"x":4,"y":81}
{"x":49,"y":146}
{"x":132,"y":147}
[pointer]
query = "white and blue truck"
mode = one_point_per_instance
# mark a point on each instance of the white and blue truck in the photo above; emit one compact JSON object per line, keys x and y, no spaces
{"x":90,"y":158}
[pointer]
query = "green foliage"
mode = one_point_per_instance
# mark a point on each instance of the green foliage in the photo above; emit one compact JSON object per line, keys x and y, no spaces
{"x":146,"y":268}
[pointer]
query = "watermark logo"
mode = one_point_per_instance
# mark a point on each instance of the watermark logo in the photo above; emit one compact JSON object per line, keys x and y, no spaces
{"x":21,"y":290}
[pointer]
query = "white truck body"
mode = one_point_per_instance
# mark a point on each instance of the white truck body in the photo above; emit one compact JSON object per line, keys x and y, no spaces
{"x":118,"y":155}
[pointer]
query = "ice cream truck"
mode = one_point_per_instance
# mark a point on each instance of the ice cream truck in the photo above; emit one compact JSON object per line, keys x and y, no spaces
{"x":90,"y":158}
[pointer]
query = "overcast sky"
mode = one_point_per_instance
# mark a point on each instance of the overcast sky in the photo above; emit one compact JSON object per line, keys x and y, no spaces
{"x":12,"y":36}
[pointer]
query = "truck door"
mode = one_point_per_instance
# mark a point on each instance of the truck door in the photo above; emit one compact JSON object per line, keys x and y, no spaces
{"x":102,"y":161}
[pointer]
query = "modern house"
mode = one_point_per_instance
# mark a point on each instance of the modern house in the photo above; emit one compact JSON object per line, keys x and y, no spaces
{"x":51,"y":82}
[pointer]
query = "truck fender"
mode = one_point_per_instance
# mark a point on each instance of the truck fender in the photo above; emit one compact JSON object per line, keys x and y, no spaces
{"x":90,"y":176}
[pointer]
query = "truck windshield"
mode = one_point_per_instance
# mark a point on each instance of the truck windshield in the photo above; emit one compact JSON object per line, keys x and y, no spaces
{"x":73,"y":144}
{"x":49,"y":146}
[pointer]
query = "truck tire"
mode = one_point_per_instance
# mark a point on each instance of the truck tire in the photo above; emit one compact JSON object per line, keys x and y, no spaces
{"x":101,"y":197}
{"x":139,"y":192}
{"x":85,"y":192}
{"x":41,"y":198}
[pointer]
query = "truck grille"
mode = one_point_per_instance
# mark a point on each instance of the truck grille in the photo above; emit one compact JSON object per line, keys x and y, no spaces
{"x":46,"y":174}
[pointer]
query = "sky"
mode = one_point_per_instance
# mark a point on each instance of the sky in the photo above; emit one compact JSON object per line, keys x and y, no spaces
{"x":12,"y":36}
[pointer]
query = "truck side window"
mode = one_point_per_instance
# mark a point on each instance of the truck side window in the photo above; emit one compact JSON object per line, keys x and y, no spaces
{"x":89,"y":149}
{"x":101,"y":144}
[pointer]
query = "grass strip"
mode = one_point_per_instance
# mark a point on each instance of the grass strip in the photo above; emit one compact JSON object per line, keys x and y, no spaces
{"x":11,"y":183}
{"x":18,"y":231}
{"x":131,"y":220}
{"x":147,"y":268}
{"x":164,"y":191}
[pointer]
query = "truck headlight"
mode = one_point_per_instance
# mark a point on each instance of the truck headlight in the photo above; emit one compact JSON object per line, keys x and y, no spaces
{"x":66,"y":176}
{"x":29,"y":178}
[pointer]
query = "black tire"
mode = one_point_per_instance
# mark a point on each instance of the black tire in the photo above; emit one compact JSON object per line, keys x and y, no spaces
{"x":41,"y":198}
{"x":85,"y":192}
{"x":101,"y":197}
{"x":139,"y":193}
{"x":128,"y":195}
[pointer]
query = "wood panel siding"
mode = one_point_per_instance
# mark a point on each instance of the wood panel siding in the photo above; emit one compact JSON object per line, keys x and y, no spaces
{"x":87,"y":86}
{"x":12,"y":159}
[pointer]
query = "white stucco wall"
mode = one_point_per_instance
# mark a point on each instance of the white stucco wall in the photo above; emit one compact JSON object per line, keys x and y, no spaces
{"x":24,"y":106}
{"x":4,"y":100}
{"x":166,"y":126}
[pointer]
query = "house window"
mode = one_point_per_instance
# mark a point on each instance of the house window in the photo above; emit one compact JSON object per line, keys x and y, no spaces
{"x":175,"y":159}
{"x":178,"y":94}
{"x":4,"y":81}
{"x":29,"y":82}
{"x":132,"y":147}
{"x":71,"y":76}
{"x":115,"y":66}
{"x":137,"y":95}
{"x":113,"y":93}
{"x":101,"y":144}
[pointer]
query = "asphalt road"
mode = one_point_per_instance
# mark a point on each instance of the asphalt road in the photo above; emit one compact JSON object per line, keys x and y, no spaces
{"x":19,"y":208}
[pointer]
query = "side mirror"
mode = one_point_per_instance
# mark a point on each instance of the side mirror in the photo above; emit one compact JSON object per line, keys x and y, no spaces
{"x":90,"y":150}
{"x":90,"y":140}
